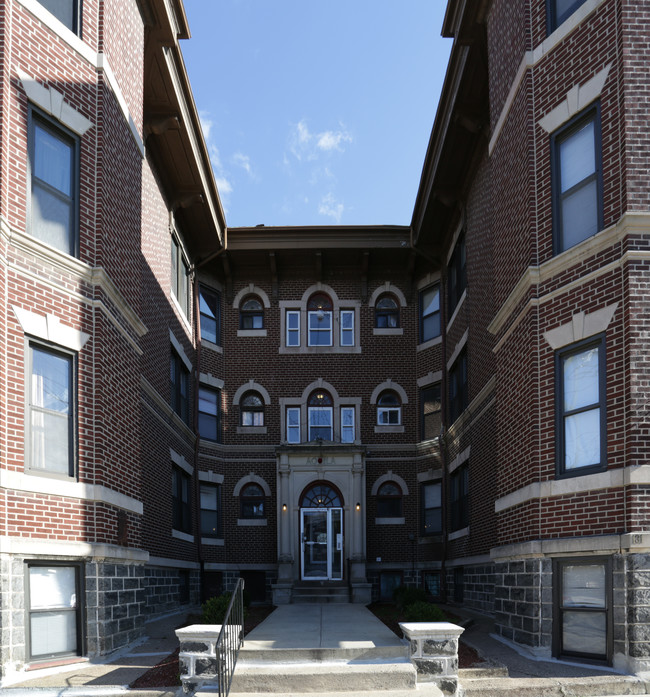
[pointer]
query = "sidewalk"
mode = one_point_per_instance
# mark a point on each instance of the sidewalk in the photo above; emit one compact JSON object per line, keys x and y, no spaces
{"x":111,"y":676}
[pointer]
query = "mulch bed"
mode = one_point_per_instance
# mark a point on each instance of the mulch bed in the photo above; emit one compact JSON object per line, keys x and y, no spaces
{"x":166,"y":673}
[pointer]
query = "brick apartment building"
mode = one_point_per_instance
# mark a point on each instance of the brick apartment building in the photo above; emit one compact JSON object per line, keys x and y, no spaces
{"x":458,"y":404}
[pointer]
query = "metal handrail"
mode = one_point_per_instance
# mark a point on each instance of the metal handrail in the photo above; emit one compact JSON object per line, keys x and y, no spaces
{"x":231,"y":639}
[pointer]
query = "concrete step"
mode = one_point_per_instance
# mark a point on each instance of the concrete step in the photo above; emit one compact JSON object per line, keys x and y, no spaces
{"x":592,"y":686}
{"x":324,"y":677}
{"x":422,"y":690}
{"x":320,"y":594}
{"x":249,"y":654}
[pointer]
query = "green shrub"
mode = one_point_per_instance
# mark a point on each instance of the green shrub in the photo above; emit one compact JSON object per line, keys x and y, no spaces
{"x":214,"y":609}
{"x":424,"y":612}
{"x":405,"y":596}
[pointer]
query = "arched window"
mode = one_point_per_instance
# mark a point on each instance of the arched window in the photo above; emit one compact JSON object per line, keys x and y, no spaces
{"x":389,"y":409}
{"x":321,"y":496}
{"x":252,"y":501}
{"x":252,"y":410}
{"x":386,"y":313}
{"x":389,"y":501}
{"x":319,"y":406}
{"x":251,"y":313}
{"x":319,"y":313}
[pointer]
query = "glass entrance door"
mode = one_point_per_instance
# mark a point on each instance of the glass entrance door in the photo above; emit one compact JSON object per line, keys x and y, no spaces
{"x":322,"y":544}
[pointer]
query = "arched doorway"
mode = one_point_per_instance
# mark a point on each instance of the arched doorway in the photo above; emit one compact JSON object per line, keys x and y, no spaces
{"x":321,"y":531}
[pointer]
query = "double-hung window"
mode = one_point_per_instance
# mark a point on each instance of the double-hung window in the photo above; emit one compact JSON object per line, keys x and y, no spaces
{"x":576,"y":172}
{"x":293,"y":328}
{"x":319,"y":408}
{"x":293,"y":424}
{"x":429,"y":313}
{"x":251,"y":313}
{"x":209,"y":414}
{"x":347,"y":424}
{"x":181,"y":512}
{"x":252,"y":501}
{"x":458,"y":395}
{"x":210,"y":497}
{"x":456,"y":275}
{"x":580,"y":406}
{"x":430,"y":410}
{"x":54,"y":175}
{"x":66,"y":11}
{"x":557,"y":11}
{"x":386,"y":313}
{"x":180,"y":269}
{"x":210,"y":310}
{"x":431,"y":507}
{"x":460,"y":498}
{"x":319,"y":317}
{"x":51,"y":417}
{"x":179,"y":380}
{"x":54,"y":607}
{"x":389,"y":500}
{"x":347,"y":327}
{"x":252,"y":410}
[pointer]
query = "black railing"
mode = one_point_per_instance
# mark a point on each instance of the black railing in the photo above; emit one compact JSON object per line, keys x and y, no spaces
{"x":231,"y":639}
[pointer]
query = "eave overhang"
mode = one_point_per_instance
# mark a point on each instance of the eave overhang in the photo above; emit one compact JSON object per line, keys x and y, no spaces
{"x":173,"y":135}
{"x":460,"y":129}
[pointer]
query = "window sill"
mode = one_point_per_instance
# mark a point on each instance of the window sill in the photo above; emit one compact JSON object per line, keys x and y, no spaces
{"x":428,"y":344}
{"x":459,"y":304}
{"x":213,"y":541}
{"x":251,"y":430}
{"x":389,"y":429}
{"x":54,"y":663}
{"x":251,"y":332}
{"x":213,"y":347}
{"x":252,"y":522}
{"x":390,"y":521}
{"x":182,"y":536}
{"x":463,"y":532}
{"x":388,"y":331}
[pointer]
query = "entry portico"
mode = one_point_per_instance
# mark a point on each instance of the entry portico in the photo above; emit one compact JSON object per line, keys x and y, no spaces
{"x":321,"y":518}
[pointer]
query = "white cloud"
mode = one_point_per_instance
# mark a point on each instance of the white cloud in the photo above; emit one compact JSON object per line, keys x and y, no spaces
{"x":330,"y":207}
{"x":243,"y":161}
{"x":305,"y":145}
{"x":220,"y":175}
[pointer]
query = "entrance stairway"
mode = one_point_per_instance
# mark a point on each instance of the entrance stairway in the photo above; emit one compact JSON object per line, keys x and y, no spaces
{"x":320,"y":592}
{"x":317,"y":650}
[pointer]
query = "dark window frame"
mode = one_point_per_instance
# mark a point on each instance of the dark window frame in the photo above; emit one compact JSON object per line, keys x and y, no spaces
{"x":583,"y":346}
{"x":456,"y":275}
{"x":553,"y":21}
{"x":424,"y":518}
{"x":179,"y":386}
{"x":252,"y":506}
{"x":558,"y":137}
{"x":180,"y":276}
{"x":36,"y":117}
{"x":459,"y":497}
{"x":181,"y":506}
{"x":248,"y":316}
{"x":214,"y":419}
{"x":458,"y":386}
{"x":390,"y":505}
{"x":430,"y":395}
{"x":78,"y":610}
{"x":216,"y":530}
{"x":559,"y":608}
{"x":438,"y":576}
{"x":422,"y":317}
{"x":251,"y":409}
{"x":383,"y":315}
{"x":387,"y":573}
{"x":212,"y":299}
{"x":76,"y":15}
{"x":72,"y":359}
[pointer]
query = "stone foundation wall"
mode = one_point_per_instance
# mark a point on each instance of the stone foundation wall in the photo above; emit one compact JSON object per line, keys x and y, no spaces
{"x":165,"y":589}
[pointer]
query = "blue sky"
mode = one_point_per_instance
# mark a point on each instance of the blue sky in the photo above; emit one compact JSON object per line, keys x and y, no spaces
{"x":316,"y":112}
